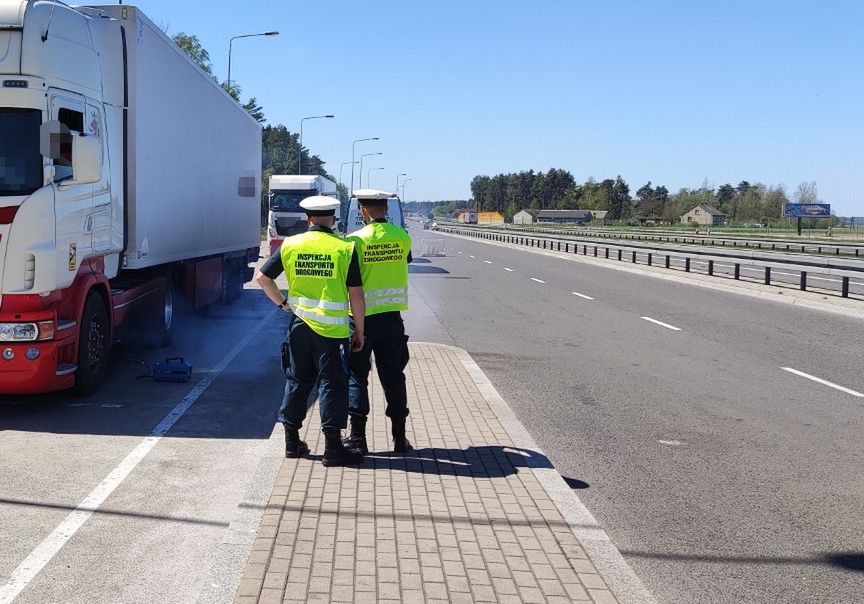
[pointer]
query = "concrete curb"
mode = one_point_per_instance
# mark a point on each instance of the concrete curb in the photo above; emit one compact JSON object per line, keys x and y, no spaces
{"x":622,"y":581}
{"x":786,"y":298}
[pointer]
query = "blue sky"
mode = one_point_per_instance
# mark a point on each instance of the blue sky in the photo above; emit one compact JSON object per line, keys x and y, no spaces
{"x":675,"y":92}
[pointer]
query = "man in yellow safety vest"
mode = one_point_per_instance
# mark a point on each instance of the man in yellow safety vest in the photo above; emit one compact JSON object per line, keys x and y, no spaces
{"x":384,"y":251}
{"x":324,"y":281}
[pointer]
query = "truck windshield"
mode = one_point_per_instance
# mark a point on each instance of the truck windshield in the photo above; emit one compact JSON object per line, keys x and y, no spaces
{"x":289,"y":201}
{"x":20,"y":159}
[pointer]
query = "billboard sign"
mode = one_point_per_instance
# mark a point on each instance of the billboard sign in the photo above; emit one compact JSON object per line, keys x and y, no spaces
{"x":806,"y":210}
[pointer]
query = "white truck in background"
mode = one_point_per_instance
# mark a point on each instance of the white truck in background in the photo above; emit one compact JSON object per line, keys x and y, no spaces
{"x":128,"y":180}
{"x":285,"y":216}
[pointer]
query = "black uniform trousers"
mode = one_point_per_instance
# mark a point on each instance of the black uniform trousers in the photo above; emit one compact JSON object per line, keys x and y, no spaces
{"x":312,"y":358}
{"x":385,"y":337}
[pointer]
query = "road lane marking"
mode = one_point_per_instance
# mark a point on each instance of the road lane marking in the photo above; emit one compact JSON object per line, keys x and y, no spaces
{"x":487,"y":262}
{"x":662,"y":324}
{"x":824,"y":382}
{"x":53,"y":543}
{"x":470,"y":256}
{"x":537,"y":280}
{"x":509,"y":270}
{"x":460,"y":252}
{"x":582,"y":295}
{"x":671,"y":443}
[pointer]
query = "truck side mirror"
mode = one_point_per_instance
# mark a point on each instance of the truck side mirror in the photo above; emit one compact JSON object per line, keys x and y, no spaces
{"x":86,"y":159}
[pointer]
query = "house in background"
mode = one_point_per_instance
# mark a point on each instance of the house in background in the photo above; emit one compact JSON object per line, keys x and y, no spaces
{"x":703,"y":214}
{"x":552,"y":217}
{"x":525,"y":217}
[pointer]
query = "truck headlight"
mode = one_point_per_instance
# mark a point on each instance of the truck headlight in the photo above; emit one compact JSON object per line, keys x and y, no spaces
{"x":18,"y":332}
{"x":26,"y":332}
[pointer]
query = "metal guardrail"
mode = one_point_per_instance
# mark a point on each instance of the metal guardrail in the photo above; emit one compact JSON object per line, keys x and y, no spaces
{"x":683,"y":260}
{"x":817,"y":247}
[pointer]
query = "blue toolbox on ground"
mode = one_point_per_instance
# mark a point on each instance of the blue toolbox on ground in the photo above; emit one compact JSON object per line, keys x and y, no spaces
{"x":175,"y":369}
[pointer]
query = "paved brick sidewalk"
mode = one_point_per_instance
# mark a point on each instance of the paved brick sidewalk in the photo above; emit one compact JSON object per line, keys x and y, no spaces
{"x":463,"y":518}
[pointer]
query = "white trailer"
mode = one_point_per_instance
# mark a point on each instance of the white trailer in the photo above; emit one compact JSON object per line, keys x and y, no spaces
{"x":285,"y":216}
{"x":128,"y":177}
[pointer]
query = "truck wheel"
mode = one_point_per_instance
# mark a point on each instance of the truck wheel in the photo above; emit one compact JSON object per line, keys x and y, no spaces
{"x":163,"y":318}
{"x":93,"y":345}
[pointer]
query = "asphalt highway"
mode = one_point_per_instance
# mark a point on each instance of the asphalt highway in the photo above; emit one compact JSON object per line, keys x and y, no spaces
{"x":716,"y":437}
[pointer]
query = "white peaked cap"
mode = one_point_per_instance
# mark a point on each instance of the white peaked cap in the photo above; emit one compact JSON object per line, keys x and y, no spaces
{"x":372,"y":194}
{"x":320,"y":204}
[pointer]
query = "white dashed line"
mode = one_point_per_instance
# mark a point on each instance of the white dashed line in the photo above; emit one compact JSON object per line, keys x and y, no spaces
{"x":487,"y":262}
{"x":582,"y":295}
{"x":824,"y":382}
{"x":662,"y":324}
{"x":509,"y":270}
{"x":460,"y":252}
{"x":537,"y":280}
{"x":470,"y":256}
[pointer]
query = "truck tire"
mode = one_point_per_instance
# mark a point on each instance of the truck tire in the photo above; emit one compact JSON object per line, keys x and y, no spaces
{"x":93,"y":345}
{"x":165,"y":313}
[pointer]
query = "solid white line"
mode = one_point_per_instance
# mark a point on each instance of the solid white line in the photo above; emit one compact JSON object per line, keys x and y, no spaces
{"x":509,"y":270}
{"x":53,"y":543}
{"x":661,"y":323}
{"x":582,"y":295}
{"x":824,"y":382}
{"x":487,"y":262}
{"x":537,"y":280}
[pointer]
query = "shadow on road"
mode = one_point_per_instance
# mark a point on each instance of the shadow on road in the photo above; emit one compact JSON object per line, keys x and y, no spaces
{"x":427,"y":270}
{"x":853,"y":561}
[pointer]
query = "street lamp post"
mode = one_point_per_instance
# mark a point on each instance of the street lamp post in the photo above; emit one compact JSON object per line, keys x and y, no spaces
{"x":368,"y":178}
{"x":231,"y":42}
{"x":402,"y":197}
{"x":398,"y":176}
{"x":342,"y":165}
{"x":359,"y":140}
{"x":300,"y":151}
{"x":360,"y":186}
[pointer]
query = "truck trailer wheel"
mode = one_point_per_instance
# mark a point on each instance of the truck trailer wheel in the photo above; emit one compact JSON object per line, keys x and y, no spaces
{"x":164,"y":314}
{"x":92,"y":345}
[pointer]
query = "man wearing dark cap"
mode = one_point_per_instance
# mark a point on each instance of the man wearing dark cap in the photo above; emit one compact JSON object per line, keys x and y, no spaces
{"x":384,"y":251}
{"x":323,"y":283}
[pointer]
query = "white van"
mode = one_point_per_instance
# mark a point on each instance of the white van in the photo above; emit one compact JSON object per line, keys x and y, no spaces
{"x":354,"y":220}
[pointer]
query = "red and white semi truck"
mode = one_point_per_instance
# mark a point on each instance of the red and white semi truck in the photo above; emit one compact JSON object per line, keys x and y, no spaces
{"x":129,"y":180}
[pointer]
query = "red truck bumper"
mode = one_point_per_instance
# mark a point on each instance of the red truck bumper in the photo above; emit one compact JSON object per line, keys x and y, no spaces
{"x":20,"y":375}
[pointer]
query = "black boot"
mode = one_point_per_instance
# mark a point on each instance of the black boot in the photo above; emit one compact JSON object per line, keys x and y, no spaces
{"x":400,"y":442}
{"x":357,"y":439}
{"x":335,"y":453}
{"x":294,"y":447}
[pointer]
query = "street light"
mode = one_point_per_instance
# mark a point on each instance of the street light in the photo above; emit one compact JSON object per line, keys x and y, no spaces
{"x":342,"y":165}
{"x":359,"y":140}
{"x":368,"y":181}
{"x":231,"y":41}
{"x":398,"y":176}
{"x":360,"y":186}
{"x":402,"y":197}
{"x":300,"y":152}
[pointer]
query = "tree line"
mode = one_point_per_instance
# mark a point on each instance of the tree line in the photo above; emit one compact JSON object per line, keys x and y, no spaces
{"x":557,"y":190}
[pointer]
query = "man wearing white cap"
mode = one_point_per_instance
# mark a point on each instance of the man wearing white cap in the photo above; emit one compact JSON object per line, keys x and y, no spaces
{"x":384,"y":251}
{"x":323,"y":282}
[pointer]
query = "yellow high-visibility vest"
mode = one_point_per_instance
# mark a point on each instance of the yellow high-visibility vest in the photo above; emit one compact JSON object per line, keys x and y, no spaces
{"x":316,"y":264}
{"x":382,"y":249}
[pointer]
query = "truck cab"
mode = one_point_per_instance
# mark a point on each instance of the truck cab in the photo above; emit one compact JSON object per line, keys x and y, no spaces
{"x":285,"y":217}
